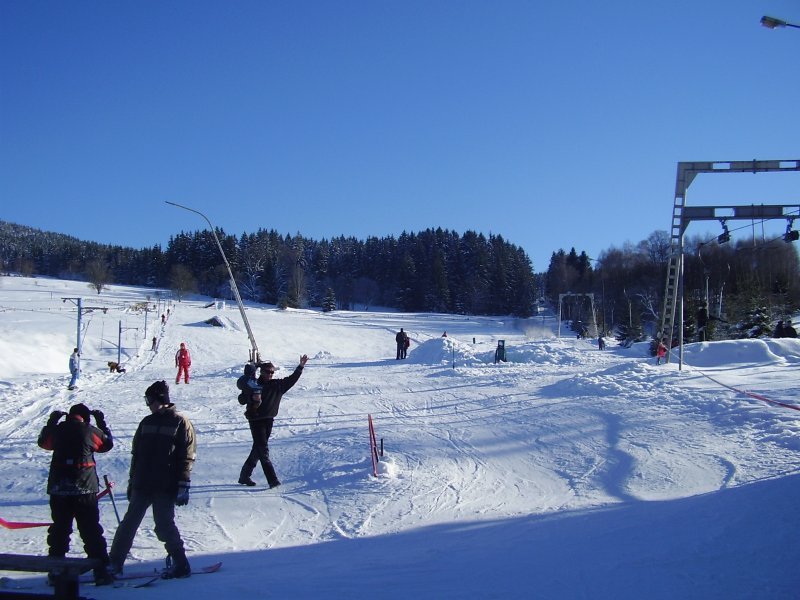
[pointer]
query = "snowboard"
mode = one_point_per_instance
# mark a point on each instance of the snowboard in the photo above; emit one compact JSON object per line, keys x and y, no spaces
{"x":151,"y":575}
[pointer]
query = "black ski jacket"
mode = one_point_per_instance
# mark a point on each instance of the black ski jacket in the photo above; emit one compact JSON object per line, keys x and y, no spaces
{"x":73,"y":443}
{"x":162,"y":452}
{"x":272,"y":390}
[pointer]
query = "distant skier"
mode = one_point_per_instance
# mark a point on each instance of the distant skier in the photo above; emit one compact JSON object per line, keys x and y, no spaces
{"x":74,"y":368}
{"x":73,"y":485}
{"x":661,"y":352}
{"x":601,"y":343}
{"x":402,"y":343}
{"x":183,"y":361}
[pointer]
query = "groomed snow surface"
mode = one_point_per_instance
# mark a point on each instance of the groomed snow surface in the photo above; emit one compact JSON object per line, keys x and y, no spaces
{"x":565,"y":472}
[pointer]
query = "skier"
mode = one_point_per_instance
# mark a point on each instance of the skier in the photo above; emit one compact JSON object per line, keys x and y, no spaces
{"x":661,"y":352}
{"x":183,"y":361}
{"x":73,"y":485}
{"x":601,"y":343}
{"x":74,"y":369}
{"x":162,"y":455}
{"x":261,"y":414}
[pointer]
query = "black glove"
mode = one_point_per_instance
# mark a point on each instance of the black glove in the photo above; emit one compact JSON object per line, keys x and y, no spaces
{"x":55,"y":416}
{"x":99,"y":418}
{"x":182,"y":499}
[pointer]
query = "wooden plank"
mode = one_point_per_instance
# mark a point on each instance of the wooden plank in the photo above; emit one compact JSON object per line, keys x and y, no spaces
{"x":43,"y":564}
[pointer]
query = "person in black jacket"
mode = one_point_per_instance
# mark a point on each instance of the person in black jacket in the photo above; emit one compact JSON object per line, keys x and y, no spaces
{"x":262,"y":408}
{"x":73,"y":484}
{"x":162,"y":457}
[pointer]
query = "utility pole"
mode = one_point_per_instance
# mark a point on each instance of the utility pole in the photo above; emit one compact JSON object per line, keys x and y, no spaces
{"x":79,"y":303}
{"x":254,"y":354}
{"x":119,"y":340}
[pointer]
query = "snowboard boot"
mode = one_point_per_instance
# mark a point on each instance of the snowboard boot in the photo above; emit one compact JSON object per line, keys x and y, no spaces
{"x":177,"y":566}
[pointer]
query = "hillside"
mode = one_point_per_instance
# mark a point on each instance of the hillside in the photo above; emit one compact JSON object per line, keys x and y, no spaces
{"x":565,"y":472}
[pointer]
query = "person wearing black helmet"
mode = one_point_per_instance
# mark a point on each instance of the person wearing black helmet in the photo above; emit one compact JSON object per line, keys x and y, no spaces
{"x":162,"y":456}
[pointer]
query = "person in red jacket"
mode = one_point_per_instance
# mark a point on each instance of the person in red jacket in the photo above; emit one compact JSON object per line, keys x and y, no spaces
{"x":183,"y":361}
{"x":73,"y":485}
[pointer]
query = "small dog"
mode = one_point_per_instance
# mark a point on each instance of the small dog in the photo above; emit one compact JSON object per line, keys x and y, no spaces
{"x":114,"y":367}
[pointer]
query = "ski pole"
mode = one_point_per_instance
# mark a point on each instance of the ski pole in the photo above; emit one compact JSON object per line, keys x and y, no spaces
{"x":109,"y":485}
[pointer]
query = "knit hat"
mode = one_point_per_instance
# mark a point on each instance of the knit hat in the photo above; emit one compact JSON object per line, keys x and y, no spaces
{"x":81,"y":410}
{"x":157,"y":392}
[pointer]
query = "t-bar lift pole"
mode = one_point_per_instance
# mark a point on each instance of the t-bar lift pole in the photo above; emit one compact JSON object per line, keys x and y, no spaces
{"x":254,"y":355}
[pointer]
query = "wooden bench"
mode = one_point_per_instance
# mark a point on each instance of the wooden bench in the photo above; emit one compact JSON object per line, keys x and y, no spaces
{"x":66,"y":571}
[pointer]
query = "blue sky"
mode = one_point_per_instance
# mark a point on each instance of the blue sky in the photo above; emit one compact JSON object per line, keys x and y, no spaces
{"x":554,"y":125}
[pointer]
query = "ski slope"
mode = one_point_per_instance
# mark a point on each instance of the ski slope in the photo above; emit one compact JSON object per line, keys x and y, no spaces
{"x":565,"y":472}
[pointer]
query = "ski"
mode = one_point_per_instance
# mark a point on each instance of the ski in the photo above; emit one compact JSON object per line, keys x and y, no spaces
{"x":9,"y":583}
{"x":137,"y":584}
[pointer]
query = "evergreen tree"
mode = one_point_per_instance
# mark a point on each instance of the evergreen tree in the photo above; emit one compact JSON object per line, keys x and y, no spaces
{"x":329,"y":303}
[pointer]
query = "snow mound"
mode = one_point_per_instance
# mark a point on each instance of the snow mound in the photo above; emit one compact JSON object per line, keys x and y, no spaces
{"x":388,"y":467}
{"x":548,"y":353}
{"x":742,"y":352}
{"x":442,"y":351}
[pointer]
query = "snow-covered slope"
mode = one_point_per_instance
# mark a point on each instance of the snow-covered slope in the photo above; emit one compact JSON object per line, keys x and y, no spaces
{"x":565,"y":472}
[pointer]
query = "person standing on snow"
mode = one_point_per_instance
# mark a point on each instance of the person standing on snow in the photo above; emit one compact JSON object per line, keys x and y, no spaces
{"x":73,"y":485}
{"x":402,"y":343}
{"x":162,"y":456}
{"x":261,"y":415}
{"x":661,"y":352}
{"x":74,"y":368}
{"x":183,"y":361}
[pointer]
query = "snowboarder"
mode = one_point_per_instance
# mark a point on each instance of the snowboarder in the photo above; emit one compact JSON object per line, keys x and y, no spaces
{"x":661,"y":352}
{"x":162,"y":456}
{"x":74,"y":369}
{"x":260,"y":415}
{"x":183,"y":361}
{"x":73,"y":485}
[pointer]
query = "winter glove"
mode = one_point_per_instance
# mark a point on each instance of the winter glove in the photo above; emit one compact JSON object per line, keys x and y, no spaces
{"x":55,"y":416}
{"x":99,"y":418}
{"x":182,"y":499}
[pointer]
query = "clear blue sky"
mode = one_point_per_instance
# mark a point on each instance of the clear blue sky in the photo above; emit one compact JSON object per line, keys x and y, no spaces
{"x":553,"y":124}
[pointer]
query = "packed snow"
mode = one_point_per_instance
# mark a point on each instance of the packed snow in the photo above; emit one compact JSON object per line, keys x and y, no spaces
{"x":565,"y":472}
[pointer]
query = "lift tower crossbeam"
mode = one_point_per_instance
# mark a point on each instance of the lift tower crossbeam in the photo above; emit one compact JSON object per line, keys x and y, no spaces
{"x":683,"y":215}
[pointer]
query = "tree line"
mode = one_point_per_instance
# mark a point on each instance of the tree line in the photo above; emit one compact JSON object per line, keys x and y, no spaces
{"x":736,"y":290}
{"x":434,"y":270}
